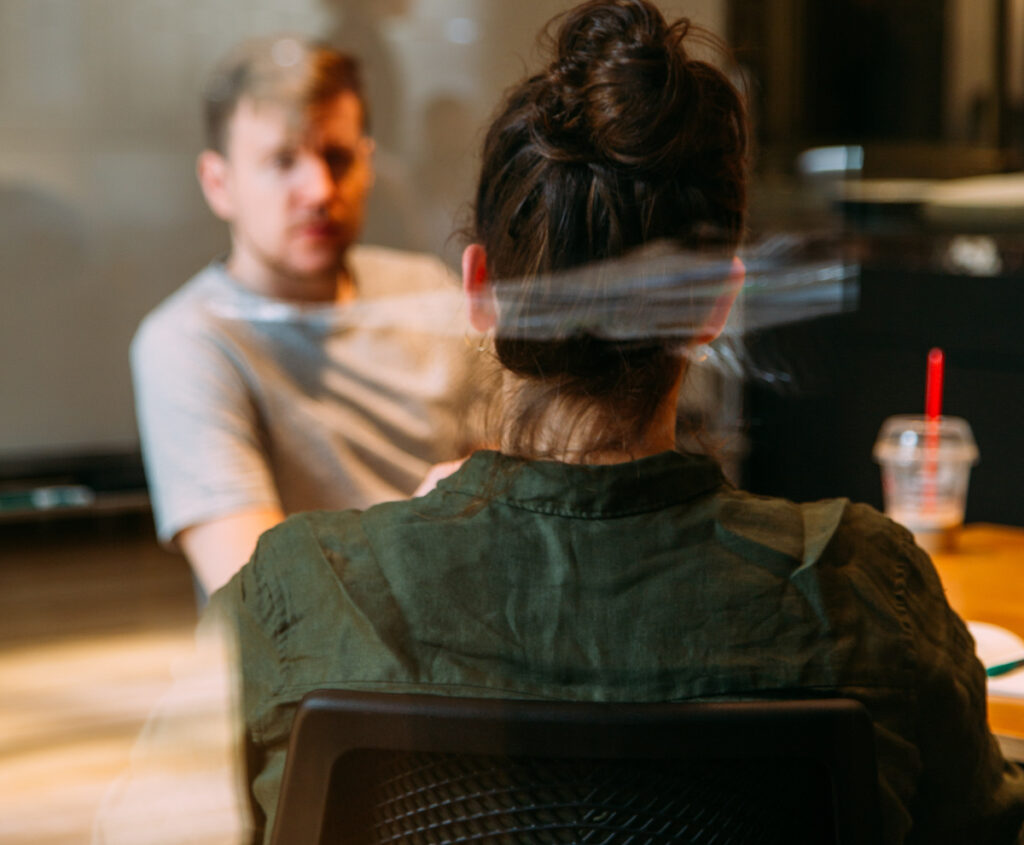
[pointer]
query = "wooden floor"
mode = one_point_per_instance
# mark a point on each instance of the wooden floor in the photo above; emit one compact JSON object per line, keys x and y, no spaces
{"x":92,"y":616}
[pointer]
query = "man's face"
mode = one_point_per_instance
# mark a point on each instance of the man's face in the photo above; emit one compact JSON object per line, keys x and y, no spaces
{"x":293,"y":191}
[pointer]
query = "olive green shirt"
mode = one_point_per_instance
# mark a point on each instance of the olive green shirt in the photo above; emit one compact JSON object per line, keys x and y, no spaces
{"x":646,"y":581}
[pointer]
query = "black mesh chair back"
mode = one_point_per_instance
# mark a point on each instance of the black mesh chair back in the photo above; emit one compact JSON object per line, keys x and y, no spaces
{"x":368,"y":768}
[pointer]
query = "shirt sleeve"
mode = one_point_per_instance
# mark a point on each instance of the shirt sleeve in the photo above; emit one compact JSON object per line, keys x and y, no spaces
{"x":202,"y":442}
{"x":967,"y":791}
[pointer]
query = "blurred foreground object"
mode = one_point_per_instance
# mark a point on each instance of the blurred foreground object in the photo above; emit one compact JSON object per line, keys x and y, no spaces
{"x":184,"y":782}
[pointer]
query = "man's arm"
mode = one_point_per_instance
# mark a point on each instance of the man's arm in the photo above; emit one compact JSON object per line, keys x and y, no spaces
{"x":212,"y":489}
{"x":217,"y":549}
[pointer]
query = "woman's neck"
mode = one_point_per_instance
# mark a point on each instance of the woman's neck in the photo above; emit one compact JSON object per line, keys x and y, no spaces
{"x":565,"y":431}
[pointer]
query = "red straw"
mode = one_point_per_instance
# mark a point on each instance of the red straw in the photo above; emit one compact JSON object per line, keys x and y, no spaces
{"x":933,"y":386}
{"x":932,"y":414}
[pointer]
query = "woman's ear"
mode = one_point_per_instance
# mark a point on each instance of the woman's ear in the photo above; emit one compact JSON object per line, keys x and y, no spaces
{"x":723,"y":305}
{"x":476,"y":285}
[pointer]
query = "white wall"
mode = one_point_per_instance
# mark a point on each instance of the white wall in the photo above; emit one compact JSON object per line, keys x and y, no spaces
{"x":100,"y":216}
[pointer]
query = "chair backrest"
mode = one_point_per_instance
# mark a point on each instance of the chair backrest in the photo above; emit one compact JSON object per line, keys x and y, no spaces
{"x":372,"y":768}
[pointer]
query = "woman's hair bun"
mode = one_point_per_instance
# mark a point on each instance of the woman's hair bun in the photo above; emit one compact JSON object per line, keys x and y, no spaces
{"x":623,"y":139}
{"x":615,"y":86}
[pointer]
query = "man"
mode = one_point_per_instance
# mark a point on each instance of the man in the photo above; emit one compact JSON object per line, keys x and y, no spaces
{"x":288,"y":377}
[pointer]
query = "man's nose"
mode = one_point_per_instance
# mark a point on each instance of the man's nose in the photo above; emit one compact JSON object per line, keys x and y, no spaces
{"x":317,"y":182}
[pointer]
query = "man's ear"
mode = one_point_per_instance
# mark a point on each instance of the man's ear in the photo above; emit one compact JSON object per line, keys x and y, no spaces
{"x":371,"y":160}
{"x":723,"y":305}
{"x":212,"y":170}
{"x":483,"y":311}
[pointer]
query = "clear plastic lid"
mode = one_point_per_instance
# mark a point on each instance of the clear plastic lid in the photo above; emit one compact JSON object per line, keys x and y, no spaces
{"x":905,"y":438}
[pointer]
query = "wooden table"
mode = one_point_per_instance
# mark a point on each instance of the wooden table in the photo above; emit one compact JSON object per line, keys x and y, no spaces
{"x":984,"y":581}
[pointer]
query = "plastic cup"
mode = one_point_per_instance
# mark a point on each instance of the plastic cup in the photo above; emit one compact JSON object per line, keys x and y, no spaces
{"x":926,"y":464}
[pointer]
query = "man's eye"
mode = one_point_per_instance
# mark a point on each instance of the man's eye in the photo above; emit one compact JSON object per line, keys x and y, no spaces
{"x":284,"y":160}
{"x":339,"y":161}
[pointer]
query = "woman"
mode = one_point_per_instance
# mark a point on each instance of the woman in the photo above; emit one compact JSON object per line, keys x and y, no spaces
{"x":587,"y":559}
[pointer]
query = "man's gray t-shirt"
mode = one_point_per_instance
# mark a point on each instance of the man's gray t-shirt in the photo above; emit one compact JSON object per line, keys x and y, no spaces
{"x":245,"y":401}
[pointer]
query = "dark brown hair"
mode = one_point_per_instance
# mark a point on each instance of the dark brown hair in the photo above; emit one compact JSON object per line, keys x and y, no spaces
{"x":292,"y":71}
{"x":623,"y":140}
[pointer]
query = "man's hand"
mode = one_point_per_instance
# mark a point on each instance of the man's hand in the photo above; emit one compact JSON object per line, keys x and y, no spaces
{"x":219,"y":548}
{"x":435,"y":474}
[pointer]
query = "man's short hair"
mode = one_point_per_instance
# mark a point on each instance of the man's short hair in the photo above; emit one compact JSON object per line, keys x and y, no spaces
{"x":288,"y":70}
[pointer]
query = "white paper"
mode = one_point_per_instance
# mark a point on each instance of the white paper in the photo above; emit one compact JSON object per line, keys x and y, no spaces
{"x":996,"y":645}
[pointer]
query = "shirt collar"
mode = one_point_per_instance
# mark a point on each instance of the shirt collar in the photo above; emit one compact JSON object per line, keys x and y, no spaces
{"x":585,"y":491}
